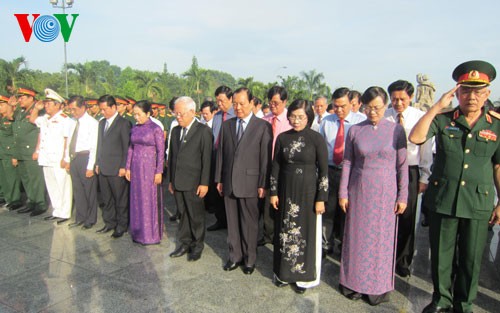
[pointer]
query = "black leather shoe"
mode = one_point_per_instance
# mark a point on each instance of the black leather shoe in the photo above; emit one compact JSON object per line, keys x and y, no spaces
{"x":263,"y":242}
{"x":14,"y":206}
{"x":248,"y":270}
{"x":117,"y":234}
{"x":75,"y":224}
{"x":2,"y":202}
{"x":300,"y":290}
{"x":216,"y":226}
{"x":433,"y":308}
{"x":279,"y":284}
{"x":424,"y":223}
{"x":49,"y":218}
{"x":87,"y":226}
{"x":194,"y":257}
{"x":26,"y":210}
{"x":104,"y":230}
{"x":402,"y":272}
{"x":179,"y":252}
{"x":62,"y":220}
{"x":231,"y":266}
{"x":174,"y":217}
{"x":37,"y":212}
{"x":354,"y":296}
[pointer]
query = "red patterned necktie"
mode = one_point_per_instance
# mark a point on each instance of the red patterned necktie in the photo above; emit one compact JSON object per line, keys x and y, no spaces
{"x":338,"y":149}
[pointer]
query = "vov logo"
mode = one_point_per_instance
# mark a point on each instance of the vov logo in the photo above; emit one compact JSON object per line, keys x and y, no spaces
{"x":46,"y":27}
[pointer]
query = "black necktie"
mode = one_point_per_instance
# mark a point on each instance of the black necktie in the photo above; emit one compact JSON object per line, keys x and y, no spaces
{"x":72,"y":143}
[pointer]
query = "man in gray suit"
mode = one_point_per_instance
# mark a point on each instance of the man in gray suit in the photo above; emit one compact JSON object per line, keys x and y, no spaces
{"x":242,"y":173}
{"x":189,"y":161}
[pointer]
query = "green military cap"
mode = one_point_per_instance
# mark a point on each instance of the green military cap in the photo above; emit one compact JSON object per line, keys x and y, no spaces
{"x":474,"y":74}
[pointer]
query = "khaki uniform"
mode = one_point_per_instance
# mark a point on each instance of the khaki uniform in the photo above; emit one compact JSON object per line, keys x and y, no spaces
{"x":461,"y":197}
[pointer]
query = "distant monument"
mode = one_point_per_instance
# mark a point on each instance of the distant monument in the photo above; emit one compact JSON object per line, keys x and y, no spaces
{"x":425,"y":93}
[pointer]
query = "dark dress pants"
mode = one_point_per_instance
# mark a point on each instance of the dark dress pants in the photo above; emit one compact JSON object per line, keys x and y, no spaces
{"x":191,"y":231}
{"x":333,"y":210}
{"x":406,"y":223}
{"x":242,"y":228}
{"x":84,"y":190}
{"x":115,"y":194}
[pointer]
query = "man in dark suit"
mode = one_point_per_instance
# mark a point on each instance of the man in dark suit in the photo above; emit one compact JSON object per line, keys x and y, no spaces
{"x":189,"y":175}
{"x":242,"y":172}
{"x":112,"y":147}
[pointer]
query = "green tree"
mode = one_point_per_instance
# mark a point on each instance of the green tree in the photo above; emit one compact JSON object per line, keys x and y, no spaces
{"x":12,"y":73}
{"x":197,"y":79}
{"x":149,"y":82}
{"x":313,"y":81}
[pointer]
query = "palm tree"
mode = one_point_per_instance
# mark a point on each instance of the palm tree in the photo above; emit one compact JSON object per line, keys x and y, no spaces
{"x":11,"y":70}
{"x":148,"y":81}
{"x":313,"y":81}
{"x":86,"y":76}
{"x":246,"y":82}
{"x":198,"y":78}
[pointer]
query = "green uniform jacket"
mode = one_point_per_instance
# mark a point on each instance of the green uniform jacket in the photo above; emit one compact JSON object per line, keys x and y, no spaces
{"x":129,"y":118}
{"x":6,"y":138}
{"x":25,"y":134}
{"x":461,"y":184}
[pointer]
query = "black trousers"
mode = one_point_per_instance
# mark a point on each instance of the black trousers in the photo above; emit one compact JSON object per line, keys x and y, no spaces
{"x":333,"y":210}
{"x":406,"y":222}
{"x":114,"y":190}
{"x":84,"y":190}
{"x":242,"y":228}
{"x":267,"y":212}
{"x":191,"y":231}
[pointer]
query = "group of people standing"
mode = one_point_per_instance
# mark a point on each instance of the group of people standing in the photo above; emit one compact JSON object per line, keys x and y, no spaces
{"x":293,"y":167}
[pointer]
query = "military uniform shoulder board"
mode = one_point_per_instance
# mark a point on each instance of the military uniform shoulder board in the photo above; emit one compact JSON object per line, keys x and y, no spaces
{"x":128,"y":114}
{"x":447,"y":110}
{"x":63,"y":115}
{"x":494,"y":114}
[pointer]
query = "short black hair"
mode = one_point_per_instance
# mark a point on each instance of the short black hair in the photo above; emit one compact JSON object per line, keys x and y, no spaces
{"x":302,"y":104}
{"x":354,"y":94}
{"x":401,"y":85}
{"x":79,"y":100}
{"x":209,"y":104}
{"x":277,"y":90}
{"x":245,"y":90}
{"x":224,"y":90}
{"x":256,"y":101}
{"x":171,"y":103}
{"x":340,"y":93}
{"x":372,"y":93}
{"x":109,"y":99}
{"x":144,"y":105}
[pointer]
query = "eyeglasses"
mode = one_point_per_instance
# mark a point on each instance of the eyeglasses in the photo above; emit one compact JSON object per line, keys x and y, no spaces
{"x":297,"y":118}
{"x":178,"y":114}
{"x":479,"y":92}
{"x":373,"y":109}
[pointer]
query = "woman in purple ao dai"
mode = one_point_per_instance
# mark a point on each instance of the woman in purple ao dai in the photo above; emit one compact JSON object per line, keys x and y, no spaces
{"x":144,"y":170}
{"x":373,"y":191}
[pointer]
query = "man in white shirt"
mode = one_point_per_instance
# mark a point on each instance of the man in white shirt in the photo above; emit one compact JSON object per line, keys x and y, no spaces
{"x":320,"y":106}
{"x":419,"y":161}
{"x":208,"y":110}
{"x":82,"y":152}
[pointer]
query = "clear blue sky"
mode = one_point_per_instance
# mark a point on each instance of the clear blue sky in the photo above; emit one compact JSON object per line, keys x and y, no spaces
{"x":353,"y":43}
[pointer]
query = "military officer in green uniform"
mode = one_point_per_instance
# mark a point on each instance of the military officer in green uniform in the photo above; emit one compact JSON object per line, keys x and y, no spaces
{"x":25,"y":141}
{"x":9,"y":179}
{"x":93,"y":109}
{"x":461,"y":194}
{"x":121,"y":108}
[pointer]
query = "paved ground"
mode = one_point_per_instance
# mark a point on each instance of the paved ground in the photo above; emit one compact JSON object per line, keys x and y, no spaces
{"x":46,"y":267}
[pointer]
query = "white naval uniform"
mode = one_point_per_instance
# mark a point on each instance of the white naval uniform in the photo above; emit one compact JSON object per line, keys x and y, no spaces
{"x":55,"y":135}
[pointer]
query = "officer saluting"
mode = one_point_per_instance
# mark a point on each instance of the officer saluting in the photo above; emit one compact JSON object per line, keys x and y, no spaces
{"x":460,"y":195}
